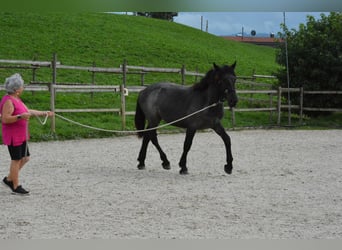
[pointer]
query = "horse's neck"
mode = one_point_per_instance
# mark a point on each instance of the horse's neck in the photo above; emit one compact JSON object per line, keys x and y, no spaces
{"x":207,"y":92}
{"x":212,"y":94}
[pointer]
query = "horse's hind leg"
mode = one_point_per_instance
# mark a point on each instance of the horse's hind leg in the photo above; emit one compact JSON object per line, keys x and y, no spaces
{"x":154,"y":139}
{"x":190,"y":133}
{"x":143,"y":149}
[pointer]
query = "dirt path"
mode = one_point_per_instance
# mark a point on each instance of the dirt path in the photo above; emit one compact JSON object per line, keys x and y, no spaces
{"x":285,"y":184}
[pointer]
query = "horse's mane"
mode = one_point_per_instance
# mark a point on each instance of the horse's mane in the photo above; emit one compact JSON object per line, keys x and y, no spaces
{"x":205,"y":81}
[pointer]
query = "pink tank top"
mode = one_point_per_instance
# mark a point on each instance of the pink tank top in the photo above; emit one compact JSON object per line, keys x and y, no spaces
{"x":15,"y":133}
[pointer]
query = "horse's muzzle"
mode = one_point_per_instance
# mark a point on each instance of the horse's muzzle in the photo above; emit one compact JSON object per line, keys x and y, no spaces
{"x":232,"y":100}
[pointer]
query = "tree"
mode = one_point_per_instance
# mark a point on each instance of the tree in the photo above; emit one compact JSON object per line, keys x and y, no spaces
{"x":315,"y":59}
{"x":160,"y":15}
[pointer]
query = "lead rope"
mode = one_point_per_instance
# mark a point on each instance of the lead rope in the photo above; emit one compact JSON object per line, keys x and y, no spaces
{"x":43,"y":122}
{"x":136,"y":131}
{"x":113,"y":131}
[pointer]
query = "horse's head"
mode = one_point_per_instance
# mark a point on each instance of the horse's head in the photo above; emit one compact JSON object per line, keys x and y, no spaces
{"x":225,"y":78}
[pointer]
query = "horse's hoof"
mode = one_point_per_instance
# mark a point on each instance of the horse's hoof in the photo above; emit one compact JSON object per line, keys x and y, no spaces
{"x":183,"y":172}
{"x":166,"y":165}
{"x":228,"y":169}
{"x":141,"y":166}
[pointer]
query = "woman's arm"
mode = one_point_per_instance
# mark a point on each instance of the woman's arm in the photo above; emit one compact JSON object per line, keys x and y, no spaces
{"x":41,"y":113}
{"x":7,"y":116}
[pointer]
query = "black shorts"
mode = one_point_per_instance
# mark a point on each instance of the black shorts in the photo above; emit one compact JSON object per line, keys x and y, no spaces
{"x":18,"y":152}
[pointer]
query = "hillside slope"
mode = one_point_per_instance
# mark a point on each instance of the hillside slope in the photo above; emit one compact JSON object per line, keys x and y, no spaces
{"x":108,"y":39}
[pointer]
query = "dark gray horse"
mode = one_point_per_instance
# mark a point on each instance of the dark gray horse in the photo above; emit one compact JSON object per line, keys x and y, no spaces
{"x":169,"y":102}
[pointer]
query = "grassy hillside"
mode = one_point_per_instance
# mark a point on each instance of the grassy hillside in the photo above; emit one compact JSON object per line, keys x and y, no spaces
{"x":107,"y":39}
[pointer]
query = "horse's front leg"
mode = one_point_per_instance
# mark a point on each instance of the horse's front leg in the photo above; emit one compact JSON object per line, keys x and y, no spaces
{"x":190,"y":133}
{"x":218,"y":128}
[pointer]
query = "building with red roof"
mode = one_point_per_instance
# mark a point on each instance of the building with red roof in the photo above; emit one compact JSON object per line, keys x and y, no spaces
{"x":264,"y":41}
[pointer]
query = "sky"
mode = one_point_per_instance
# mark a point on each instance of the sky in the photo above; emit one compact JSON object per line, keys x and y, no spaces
{"x":231,"y":23}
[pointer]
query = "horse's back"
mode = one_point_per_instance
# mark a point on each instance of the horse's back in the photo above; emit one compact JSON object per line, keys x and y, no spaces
{"x":161,"y":91}
{"x":164,"y":85}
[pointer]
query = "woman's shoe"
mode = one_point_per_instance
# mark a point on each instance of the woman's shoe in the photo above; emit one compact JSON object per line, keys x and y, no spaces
{"x":20,"y":190}
{"x":8,"y":183}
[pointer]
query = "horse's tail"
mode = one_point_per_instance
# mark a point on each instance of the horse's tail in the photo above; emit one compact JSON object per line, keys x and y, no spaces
{"x":139,"y":119}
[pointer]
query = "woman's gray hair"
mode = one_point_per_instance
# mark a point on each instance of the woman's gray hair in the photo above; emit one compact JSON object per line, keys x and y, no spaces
{"x":13,"y":83}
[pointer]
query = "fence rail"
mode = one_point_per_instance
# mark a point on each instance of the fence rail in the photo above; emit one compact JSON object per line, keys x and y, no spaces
{"x":123,"y":89}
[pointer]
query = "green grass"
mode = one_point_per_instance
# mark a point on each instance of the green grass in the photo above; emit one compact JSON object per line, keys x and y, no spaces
{"x":106,"y":40}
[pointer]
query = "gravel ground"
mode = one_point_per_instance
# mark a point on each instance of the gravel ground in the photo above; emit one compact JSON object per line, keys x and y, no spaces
{"x":285,"y":185}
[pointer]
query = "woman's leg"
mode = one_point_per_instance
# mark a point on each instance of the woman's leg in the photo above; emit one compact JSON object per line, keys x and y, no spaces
{"x":23,"y":161}
{"x":14,"y":173}
{"x":15,"y":167}
{"x":19,"y":157}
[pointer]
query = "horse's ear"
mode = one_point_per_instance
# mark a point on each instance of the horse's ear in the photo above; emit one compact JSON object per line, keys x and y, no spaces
{"x":233,"y":65}
{"x":215,"y":66}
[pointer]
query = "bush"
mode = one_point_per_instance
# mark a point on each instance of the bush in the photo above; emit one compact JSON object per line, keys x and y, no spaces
{"x":315,"y":60}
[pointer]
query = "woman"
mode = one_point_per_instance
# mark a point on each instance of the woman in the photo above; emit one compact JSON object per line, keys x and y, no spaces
{"x":14,"y":117}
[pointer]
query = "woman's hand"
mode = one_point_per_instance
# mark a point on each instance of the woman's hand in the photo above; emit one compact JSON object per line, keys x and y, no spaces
{"x":25,"y":116}
{"x":50,"y":113}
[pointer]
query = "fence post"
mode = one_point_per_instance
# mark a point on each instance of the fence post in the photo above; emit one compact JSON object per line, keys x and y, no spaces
{"x":124,"y":74}
{"x":123,"y":107}
{"x":53,"y":92}
{"x":279,"y":105}
{"x":233,"y":116}
{"x":252,"y":87}
{"x":93,"y":81}
{"x":301,"y":100}
{"x":196,"y":77}
{"x":271,"y":106}
{"x":93,"y":74}
{"x":183,"y":74}
{"x":34,"y":74}
{"x":142,"y":77}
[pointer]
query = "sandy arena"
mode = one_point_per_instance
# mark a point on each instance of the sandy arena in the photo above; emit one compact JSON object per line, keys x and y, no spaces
{"x":285,"y":185}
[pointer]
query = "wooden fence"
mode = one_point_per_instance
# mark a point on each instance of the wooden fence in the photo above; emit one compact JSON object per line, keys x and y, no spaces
{"x":123,"y":89}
